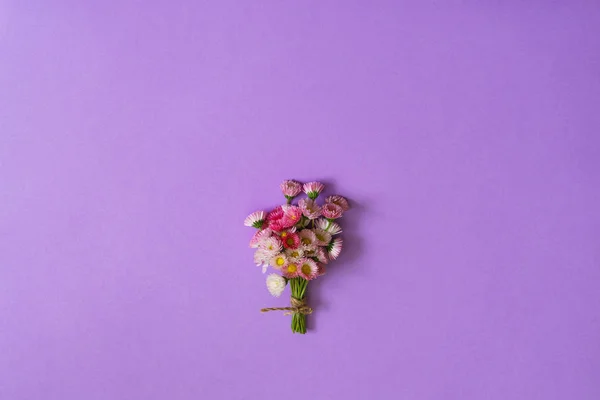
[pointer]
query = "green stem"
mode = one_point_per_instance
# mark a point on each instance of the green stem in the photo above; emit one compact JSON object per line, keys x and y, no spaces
{"x":298,"y":288}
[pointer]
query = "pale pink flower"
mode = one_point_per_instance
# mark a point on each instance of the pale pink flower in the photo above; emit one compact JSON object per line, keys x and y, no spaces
{"x":338,"y":200}
{"x":291,"y":270}
{"x":313,"y":189}
{"x":321,"y":255}
{"x":310,"y":209}
{"x":335,"y":248}
{"x":307,"y":237}
{"x":322,"y":269}
{"x":308,"y":269}
{"x":256,"y":219}
{"x":278,"y":261}
{"x":331,"y":211}
{"x":329,"y":226}
{"x":290,"y":189}
{"x":259,"y":236}
{"x":271,"y":244}
{"x":323,"y":237}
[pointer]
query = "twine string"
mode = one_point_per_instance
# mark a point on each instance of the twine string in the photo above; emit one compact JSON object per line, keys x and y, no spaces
{"x":298,"y":306}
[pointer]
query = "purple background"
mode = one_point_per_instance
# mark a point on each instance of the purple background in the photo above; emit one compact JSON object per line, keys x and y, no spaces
{"x":136,"y":136}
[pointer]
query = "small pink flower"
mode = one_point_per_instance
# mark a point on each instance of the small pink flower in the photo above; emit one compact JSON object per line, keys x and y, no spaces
{"x":338,"y":200}
{"x":322,"y":255}
{"x":291,"y":215}
{"x":271,"y":244}
{"x":335,"y":248}
{"x":331,"y":211}
{"x":308,"y":269}
{"x":290,"y":189}
{"x":310,"y":209}
{"x":313,"y":189}
{"x":256,"y":219}
{"x":275,"y":214}
{"x":323,"y":237}
{"x":308,"y":237}
{"x":291,"y":270}
{"x":290,"y":240}
{"x":321,"y":268}
{"x":259,"y":237}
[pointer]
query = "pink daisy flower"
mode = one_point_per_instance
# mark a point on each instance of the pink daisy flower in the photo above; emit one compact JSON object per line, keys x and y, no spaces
{"x":308,"y":269}
{"x":256,"y":219}
{"x":279,"y":261}
{"x":275,"y":214}
{"x":291,"y":240}
{"x":323,"y":237}
{"x":291,"y":270}
{"x":259,"y":236}
{"x":307,"y":237}
{"x":271,"y":244}
{"x":329,"y":226}
{"x":290,"y":189}
{"x":335,"y":248}
{"x":310,"y":209}
{"x":338,"y":200}
{"x":331,"y":211}
{"x":291,"y":215}
{"x":313,"y":189}
{"x":322,"y":255}
{"x":322,"y":269}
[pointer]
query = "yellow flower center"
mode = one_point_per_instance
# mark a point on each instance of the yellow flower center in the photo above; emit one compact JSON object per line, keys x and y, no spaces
{"x":321,"y":238}
{"x":290,"y":242}
{"x":283,"y":234}
{"x":292,"y":268}
{"x":280,"y":261}
{"x":306,"y":269}
{"x":295,"y":254}
{"x":306,"y":240}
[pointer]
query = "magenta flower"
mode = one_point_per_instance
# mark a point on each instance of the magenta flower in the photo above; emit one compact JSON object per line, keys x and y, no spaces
{"x":290,"y":240}
{"x":313,"y":189}
{"x":331,"y":211}
{"x":290,"y":189}
{"x":275,"y":214}
{"x":291,"y":215}
{"x":338,"y":200}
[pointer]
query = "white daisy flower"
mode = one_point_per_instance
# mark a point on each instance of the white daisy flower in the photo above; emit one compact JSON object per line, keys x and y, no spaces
{"x":276,"y":284}
{"x":272,"y":244}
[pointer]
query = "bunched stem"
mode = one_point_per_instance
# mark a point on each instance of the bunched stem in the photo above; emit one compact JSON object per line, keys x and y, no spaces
{"x":298,"y":288}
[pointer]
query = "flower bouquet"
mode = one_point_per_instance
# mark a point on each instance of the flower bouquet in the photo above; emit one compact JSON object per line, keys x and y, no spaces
{"x":297,"y":240}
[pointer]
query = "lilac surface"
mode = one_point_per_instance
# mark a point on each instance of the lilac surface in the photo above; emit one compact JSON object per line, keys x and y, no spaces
{"x":136,"y":136}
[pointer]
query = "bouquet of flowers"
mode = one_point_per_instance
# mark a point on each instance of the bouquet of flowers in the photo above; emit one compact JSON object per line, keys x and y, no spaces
{"x":297,"y":240}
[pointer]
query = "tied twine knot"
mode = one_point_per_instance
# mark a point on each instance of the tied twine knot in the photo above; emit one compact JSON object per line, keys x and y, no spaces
{"x":298,"y":307}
